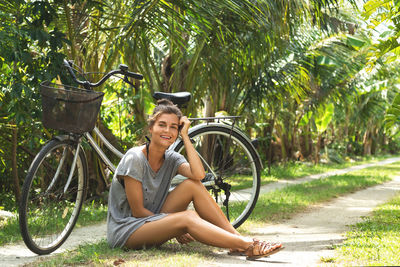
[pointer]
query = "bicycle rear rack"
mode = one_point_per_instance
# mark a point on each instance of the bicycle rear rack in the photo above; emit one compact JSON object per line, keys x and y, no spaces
{"x":216,"y":119}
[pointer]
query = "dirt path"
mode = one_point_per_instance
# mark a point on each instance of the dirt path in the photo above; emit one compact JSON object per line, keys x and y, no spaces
{"x":306,"y":236}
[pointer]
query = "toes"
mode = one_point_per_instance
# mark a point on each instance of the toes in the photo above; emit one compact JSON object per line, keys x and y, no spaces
{"x":267,"y":247}
{"x":260,"y":248}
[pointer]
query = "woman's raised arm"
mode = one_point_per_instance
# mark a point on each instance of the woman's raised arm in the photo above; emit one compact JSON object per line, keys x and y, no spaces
{"x":194,"y":169}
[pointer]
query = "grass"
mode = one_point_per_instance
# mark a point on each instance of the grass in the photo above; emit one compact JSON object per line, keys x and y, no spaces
{"x":375,"y":241}
{"x":100,"y":254}
{"x":9,"y":231}
{"x":271,"y":207}
{"x":283,"y":204}
{"x":295,"y":170}
{"x":298,"y":169}
{"x":91,"y":213}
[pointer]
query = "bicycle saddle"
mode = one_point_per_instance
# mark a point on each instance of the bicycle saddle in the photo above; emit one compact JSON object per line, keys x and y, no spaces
{"x":179,"y":98}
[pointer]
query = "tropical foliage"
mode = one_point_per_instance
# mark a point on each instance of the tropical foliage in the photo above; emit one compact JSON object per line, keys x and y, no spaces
{"x":310,"y":78}
{"x":384,"y":17}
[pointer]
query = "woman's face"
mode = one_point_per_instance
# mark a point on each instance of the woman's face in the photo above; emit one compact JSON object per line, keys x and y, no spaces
{"x":165,"y":130}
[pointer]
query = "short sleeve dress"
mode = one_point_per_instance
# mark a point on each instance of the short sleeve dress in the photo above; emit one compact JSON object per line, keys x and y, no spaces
{"x":120,"y":222}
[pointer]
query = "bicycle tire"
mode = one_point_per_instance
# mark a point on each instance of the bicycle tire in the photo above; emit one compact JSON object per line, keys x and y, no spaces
{"x":242,"y":174}
{"x":47,"y":214}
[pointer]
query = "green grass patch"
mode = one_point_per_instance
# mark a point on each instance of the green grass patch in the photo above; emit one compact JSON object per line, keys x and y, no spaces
{"x":9,"y":231}
{"x":284,"y":203}
{"x":90,"y":213}
{"x":298,"y":169}
{"x":375,"y":241}
{"x":295,"y":170}
{"x":239,"y":181}
{"x":93,"y":212}
{"x":100,"y":254}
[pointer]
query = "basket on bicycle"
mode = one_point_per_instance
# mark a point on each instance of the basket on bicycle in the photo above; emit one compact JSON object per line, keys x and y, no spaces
{"x":68,"y":108}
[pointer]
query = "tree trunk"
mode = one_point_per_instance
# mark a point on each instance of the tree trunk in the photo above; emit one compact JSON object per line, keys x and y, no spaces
{"x":309,"y":141}
{"x":14,"y":166}
{"x":209,"y":108}
{"x":280,"y":137}
{"x":346,"y":136}
{"x":166,"y":72}
{"x":374,"y":141}
{"x":317,"y":149}
{"x":271,"y":128}
{"x":283,"y":148}
{"x":367,"y":143}
{"x":304,"y":142}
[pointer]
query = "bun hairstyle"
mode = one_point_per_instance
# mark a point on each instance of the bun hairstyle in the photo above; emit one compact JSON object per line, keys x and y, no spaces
{"x":164,"y":106}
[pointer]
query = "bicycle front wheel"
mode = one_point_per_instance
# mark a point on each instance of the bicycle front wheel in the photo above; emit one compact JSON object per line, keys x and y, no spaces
{"x":232,"y":168}
{"x":52,"y":198}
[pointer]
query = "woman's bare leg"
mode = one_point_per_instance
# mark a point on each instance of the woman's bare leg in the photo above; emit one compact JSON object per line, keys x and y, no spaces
{"x":191,"y":190}
{"x":179,"y":223}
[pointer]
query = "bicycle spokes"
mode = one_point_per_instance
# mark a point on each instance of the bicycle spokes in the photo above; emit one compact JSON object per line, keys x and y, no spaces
{"x":71,"y":173}
{"x":60,"y":166}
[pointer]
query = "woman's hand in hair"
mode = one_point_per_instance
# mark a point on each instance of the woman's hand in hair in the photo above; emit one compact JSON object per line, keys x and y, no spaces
{"x":184,"y":125}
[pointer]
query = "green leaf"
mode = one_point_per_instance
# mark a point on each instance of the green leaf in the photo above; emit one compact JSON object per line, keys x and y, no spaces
{"x":355,"y":42}
{"x":324,"y":117}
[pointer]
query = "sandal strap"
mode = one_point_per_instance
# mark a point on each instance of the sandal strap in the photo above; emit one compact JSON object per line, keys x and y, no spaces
{"x":261,"y":247}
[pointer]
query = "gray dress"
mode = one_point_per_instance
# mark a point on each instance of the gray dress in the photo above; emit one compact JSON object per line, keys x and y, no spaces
{"x":120,"y":222}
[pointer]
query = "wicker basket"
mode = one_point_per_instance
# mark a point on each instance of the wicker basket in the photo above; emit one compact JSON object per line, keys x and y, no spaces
{"x":69,"y":108}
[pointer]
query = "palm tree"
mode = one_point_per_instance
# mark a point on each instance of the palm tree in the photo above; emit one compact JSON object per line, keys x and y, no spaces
{"x":213,"y":49}
{"x":225,"y":52}
{"x":382,"y":17}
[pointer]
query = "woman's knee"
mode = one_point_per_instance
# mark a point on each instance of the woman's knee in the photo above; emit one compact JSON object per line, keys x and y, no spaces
{"x":193,"y":184}
{"x":191,"y":214}
{"x":188,"y":217}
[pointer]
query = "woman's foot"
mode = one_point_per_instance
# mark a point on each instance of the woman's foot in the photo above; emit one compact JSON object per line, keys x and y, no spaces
{"x":261,"y":249}
{"x":236,"y":252}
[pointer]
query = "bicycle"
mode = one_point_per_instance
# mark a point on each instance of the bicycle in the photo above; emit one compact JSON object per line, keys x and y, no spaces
{"x":55,"y":185}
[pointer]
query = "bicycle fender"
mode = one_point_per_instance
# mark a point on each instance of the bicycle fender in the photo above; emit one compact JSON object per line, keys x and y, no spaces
{"x":64,"y":137}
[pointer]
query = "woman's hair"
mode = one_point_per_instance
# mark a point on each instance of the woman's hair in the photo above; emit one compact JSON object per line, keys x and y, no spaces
{"x":164,"y":106}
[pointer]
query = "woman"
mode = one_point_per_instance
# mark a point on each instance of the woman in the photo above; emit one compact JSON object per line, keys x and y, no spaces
{"x":143,"y":213}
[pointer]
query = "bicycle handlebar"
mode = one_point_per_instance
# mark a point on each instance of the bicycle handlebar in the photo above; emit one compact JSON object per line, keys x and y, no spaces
{"x":123,"y":69}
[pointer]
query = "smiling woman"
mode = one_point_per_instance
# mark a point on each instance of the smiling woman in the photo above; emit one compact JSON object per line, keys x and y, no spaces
{"x":143,"y":213}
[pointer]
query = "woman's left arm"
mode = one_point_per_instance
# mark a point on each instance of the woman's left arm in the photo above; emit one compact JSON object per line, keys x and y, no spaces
{"x":194,"y":169}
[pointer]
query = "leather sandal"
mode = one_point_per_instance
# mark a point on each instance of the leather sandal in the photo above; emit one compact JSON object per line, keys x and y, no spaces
{"x":261,"y":249}
{"x":236,"y":252}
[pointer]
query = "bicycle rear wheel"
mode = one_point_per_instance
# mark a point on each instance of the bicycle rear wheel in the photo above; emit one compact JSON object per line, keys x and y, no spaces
{"x":232,"y":168}
{"x":49,"y":209}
